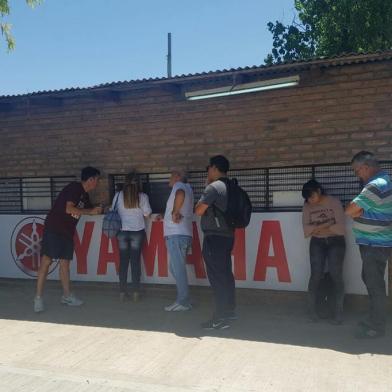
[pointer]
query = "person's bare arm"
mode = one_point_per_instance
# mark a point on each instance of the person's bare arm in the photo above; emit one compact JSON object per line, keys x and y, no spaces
{"x":338,"y":227}
{"x":320,"y":228}
{"x":72,"y":210}
{"x":146,"y":208}
{"x":353,"y":210}
{"x":310,"y":228}
{"x":201,"y":208}
{"x":177,"y":204}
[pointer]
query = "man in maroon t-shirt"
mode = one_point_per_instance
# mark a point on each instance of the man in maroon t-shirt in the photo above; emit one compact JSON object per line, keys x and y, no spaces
{"x":60,"y":225}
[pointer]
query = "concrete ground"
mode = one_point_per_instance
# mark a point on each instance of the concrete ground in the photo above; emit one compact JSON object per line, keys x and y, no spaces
{"x":110,"y":346}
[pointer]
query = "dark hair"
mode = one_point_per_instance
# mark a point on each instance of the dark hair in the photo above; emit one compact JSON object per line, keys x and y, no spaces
{"x":220,"y":162}
{"x":312,"y":186}
{"x":88,"y":172}
{"x":365,"y":158}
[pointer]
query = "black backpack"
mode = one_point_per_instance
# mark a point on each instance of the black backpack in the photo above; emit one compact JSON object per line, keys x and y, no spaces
{"x":239,"y":207}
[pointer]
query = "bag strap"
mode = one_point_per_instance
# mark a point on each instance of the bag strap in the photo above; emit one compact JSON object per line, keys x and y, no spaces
{"x":215,"y":208}
{"x":115,"y":204}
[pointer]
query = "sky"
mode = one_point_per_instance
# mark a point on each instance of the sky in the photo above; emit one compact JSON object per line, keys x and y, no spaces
{"x":81,"y":43}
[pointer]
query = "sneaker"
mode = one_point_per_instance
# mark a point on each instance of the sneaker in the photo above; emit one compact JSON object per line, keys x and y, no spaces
{"x":176,"y":307}
{"x":124,"y":297}
{"x":364,"y":324}
{"x":215,"y":324}
{"x":71,"y":300}
{"x":369,"y":333}
{"x":38,"y":305}
{"x":135,"y":296}
{"x":313,"y":317}
{"x":338,"y":319}
{"x":231,"y":316}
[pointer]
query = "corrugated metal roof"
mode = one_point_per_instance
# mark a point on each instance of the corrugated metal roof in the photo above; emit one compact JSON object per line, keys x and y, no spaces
{"x":322,"y":62}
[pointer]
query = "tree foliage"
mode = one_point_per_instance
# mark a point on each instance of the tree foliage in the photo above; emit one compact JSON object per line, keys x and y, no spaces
{"x":5,"y":28}
{"x":332,"y":27}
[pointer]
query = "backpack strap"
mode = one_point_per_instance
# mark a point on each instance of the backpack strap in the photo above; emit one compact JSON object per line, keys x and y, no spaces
{"x":225,"y":180}
{"x":215,"y":208}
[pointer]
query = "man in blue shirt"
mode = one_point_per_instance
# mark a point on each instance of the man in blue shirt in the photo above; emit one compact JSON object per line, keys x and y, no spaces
{"x":372,"y":214}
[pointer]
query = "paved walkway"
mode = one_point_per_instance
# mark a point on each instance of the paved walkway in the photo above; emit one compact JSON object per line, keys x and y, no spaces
{"x":113,"y":347}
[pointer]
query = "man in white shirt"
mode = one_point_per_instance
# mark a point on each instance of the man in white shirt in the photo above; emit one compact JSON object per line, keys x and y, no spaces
{"x":177,"y":225}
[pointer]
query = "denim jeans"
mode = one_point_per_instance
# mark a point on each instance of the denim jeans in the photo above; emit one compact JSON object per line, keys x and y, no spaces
{"x":177,"y":246}
{"x":374,"y":262}
{"x":217,"y":256}
{"x":130,"y":244}
{"x":329,"y":250}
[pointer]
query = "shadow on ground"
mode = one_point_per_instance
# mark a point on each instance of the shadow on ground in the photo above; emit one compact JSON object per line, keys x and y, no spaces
{"x":264,"y":316}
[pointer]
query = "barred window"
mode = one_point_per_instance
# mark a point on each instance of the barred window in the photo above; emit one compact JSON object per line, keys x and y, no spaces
{"x":269,"y":189}
{"x":30,"y":194}
{"x":155,"y":185}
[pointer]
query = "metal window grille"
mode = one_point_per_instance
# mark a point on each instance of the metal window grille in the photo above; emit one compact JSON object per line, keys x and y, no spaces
{"x":19,"y":195}
{"x":266,"y":187}
{"x":155,"y":185}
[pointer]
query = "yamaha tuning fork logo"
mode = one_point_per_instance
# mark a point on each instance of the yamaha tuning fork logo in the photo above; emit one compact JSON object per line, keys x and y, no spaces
{"x":26,"y":245}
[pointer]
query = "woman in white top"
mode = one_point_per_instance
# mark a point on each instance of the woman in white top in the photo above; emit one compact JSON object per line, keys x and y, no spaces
{"x":133,"y":207}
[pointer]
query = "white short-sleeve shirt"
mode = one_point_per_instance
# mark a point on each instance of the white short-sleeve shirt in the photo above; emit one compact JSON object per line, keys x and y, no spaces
{"x":184,"y":227}
{"x":132,"y":219}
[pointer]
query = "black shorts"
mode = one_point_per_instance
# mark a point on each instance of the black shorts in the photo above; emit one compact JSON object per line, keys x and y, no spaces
{"x":57,"y":246}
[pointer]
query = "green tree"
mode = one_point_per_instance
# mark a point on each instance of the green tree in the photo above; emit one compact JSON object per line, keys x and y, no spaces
{"x":332,"y":27}
{"x":5,"y":28}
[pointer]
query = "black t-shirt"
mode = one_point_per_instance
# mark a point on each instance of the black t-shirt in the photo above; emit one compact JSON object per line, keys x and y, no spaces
{"x":58,"y":220}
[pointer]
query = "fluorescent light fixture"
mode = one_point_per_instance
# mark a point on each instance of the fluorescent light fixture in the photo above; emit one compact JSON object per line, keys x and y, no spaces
{"x":245,"y":88}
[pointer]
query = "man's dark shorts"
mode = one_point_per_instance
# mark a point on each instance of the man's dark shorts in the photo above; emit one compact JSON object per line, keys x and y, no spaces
{"x":57,"y":246}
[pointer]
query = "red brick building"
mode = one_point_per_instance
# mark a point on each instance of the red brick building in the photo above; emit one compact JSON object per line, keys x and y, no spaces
{"x":336,"y":107}
{"x":341,"y":105}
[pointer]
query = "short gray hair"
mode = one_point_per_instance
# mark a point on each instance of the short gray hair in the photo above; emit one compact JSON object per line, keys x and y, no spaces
{"x":365,"y":158}
{"x":182,"y":173}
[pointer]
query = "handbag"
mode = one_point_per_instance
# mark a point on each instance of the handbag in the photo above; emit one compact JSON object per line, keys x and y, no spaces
{"x":111,"y":224}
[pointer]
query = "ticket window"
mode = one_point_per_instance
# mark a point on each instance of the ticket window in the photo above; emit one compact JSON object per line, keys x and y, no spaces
{"x":36,"y":194}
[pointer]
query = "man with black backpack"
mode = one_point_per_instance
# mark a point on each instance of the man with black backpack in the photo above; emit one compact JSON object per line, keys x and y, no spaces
{"x":222,"y":207}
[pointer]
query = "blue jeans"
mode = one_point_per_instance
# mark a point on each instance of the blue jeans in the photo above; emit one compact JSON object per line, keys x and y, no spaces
{"x":177,"y":246}
{"x":130,"y":244}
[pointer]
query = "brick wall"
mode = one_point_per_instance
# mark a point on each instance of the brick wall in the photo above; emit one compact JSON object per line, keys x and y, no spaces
{"x":332,"y":114}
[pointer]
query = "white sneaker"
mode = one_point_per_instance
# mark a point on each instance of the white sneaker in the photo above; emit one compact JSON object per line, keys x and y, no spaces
{"x":38,"y":305}
{"x":71,"y":300}
{"x":176,"y":307}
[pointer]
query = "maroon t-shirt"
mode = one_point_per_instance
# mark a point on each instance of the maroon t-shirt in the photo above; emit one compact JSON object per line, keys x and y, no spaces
{"x":58,"y":220}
